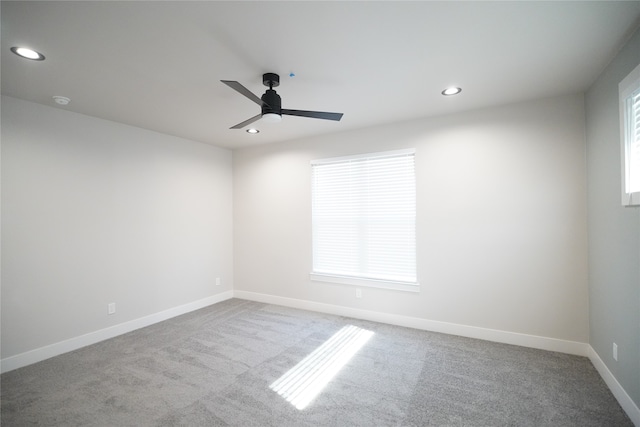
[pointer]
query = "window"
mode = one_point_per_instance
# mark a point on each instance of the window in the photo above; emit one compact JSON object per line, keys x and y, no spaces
{"x":629,"y":91}
{"x":363,"y":220}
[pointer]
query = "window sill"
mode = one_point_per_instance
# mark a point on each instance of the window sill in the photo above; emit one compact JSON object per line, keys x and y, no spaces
{"x":370,"y":283}
{"x":631,"y":200}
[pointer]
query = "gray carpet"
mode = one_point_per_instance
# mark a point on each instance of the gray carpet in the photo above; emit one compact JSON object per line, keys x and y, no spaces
{"x":215,"y":367}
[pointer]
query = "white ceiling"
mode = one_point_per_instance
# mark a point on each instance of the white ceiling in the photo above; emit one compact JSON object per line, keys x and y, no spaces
{"x":158,"y":65}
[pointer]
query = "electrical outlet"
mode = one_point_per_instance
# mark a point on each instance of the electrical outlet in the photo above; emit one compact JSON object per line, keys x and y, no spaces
{"x":358,"y":293}
{"x":111,"y":308}
{"x":615,"y":352}
{"x":218,"y":282}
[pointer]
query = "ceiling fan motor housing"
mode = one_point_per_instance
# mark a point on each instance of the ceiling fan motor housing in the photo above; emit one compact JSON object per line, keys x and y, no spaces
{"x":272,"y":103}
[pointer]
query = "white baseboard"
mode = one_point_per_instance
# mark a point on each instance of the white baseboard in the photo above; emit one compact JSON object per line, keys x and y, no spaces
{"x":620,"y":394}
{"x":524,"y":340}
{"x":42,"y":353}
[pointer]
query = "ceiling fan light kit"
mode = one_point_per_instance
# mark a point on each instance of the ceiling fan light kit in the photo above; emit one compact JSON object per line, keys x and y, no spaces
{"x":271,"y":103}
{"x":271,"y":118}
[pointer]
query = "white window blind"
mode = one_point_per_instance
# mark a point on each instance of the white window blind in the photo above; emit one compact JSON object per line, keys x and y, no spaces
{"x":630,"y":137}
{"x":363,"y":217}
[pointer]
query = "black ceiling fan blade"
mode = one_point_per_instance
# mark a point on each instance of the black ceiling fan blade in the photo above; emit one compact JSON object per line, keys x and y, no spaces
{"x":247,"y":122}
{"x":243,"y":90}
{"x":313,"y":114}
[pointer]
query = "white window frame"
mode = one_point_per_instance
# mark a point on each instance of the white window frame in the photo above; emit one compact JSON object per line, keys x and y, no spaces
{"x":361,"y":280}
{"x":629,"y":128}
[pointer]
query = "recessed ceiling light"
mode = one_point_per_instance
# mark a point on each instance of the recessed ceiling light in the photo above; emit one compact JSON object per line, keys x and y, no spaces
{"x":252,"y":130}
{"x":451,"y":91}
{"x":27,"y":53}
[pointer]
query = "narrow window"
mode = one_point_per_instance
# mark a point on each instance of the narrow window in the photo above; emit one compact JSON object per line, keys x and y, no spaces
{"x":363,"y":220}
{"x":629,"y":91}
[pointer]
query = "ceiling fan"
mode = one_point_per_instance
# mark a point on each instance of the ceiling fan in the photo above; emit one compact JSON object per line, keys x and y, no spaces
{"x":271,"y":103}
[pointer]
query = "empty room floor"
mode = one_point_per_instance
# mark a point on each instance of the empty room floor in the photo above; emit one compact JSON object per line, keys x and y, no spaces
{"x":244,"y":363}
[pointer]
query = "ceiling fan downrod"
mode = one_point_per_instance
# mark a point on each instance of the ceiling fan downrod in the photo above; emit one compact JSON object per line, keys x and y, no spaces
{"x":272,"y":103}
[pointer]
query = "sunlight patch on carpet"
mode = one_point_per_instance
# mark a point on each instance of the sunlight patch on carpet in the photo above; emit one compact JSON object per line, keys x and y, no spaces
{"x":302,"y":383}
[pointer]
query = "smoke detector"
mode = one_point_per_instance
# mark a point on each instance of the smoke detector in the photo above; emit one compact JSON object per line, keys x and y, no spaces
{"x":61,"y":100}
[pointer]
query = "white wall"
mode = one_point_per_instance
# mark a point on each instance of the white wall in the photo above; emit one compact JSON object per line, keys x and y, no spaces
{"x":95,"y":212}
{"x":501,"y":219}
{"x":614,"y":232}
